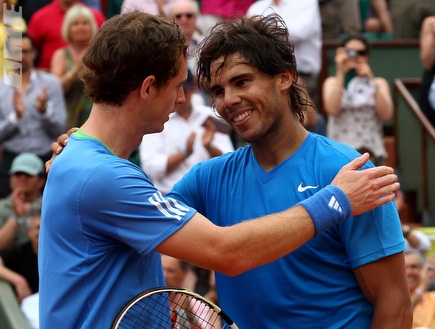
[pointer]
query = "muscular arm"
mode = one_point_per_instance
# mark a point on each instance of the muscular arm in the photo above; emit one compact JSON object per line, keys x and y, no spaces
{"x":235,"y":249}
{"x":385,"y":285}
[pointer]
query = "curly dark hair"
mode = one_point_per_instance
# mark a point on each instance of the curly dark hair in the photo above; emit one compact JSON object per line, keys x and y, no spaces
{"x":264,"y":43}
{"x":127,"y":49}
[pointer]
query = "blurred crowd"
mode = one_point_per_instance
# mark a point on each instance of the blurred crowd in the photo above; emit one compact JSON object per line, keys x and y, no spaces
{"x":44,"y":41}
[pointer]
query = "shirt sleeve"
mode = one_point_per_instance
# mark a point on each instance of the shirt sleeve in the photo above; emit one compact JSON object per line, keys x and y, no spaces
{"x":130,"y":209}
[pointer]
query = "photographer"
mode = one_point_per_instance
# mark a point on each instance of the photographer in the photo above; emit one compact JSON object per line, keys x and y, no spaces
{"x":356,"y":101}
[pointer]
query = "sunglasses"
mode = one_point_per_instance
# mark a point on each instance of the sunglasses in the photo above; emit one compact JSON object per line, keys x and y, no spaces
{"x":188,"y":15}
{"x":353,"y":53}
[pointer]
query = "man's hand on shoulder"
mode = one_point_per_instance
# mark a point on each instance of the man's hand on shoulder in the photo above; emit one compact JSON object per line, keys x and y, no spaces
{"x":369,"y":188}
{"x":58,"y":145}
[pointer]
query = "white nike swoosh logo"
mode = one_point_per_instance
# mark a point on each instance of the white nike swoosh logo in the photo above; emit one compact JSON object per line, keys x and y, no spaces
{"x":304,"y":188}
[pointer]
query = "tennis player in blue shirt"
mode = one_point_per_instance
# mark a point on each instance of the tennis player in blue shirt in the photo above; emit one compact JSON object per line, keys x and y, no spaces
{"x":104,"y":224}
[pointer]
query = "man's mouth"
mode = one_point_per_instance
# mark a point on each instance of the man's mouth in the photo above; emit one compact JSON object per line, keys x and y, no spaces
{"x":242,"y":116}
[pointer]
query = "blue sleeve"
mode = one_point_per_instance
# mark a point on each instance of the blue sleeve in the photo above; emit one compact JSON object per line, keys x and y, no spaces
{"x":129,"y":208}
{"x":189,"y":189}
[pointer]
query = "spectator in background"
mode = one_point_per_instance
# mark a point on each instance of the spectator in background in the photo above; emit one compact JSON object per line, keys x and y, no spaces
{"x":423,"y":301}
{"x":339,"y":16}
{"x":45,"y":27}
{"x":78,"y":29}
{"x":185,"y":14}
{"x":96,"y":4}
{"x":379,"y":20}
{"x":355,"y":100}
{"x":214,"y":10}
{"x":189,"y":137}
{"x":427,"y":56}
{"x":31,"y":114}
{"x":408,"y":16}
{"x":27,"y":181}
{"x":11,"y":17}
{"x":19,"y":264}
{"x":29,"y":7}
{"x":415,"y":240}
{"x":154,"y":7}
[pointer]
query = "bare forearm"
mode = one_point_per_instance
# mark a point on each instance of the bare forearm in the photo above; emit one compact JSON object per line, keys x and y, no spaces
{"x":8,"y":232}
{"x":392,"y":316}
{"x":384,"y":103}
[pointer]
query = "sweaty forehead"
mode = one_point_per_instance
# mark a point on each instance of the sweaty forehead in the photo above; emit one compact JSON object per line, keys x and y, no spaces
{"x":223,"y":66}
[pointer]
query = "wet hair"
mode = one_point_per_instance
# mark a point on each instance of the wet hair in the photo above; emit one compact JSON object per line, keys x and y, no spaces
{"x":263,"y":41}
{"x":127,"y":49}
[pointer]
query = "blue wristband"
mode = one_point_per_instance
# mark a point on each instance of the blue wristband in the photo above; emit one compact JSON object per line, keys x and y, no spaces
{"x":327,"y":208}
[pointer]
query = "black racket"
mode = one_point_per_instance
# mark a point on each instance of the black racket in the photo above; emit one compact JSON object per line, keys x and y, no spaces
{"x":171,"y":308}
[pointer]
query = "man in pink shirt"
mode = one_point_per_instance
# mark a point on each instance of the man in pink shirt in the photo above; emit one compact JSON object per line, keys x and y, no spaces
{"x":213,"y":10}
{"x":45,"y":28}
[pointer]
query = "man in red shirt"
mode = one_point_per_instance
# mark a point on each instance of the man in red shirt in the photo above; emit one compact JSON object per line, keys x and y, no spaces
{"x":45,"y":28}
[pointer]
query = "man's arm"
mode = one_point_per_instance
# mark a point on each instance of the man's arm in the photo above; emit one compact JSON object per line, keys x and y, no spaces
{"x":385,"y":285}
{"x":238,"y":248}
{"x":20,"y":284}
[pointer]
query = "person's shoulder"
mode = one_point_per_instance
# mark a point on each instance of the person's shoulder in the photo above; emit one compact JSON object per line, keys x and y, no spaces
{"x":41,"y":14}
{"x":99,"y":16}
{"x":47,"y":77}
{"x":327,"y":149}
{"x":228,"y":160}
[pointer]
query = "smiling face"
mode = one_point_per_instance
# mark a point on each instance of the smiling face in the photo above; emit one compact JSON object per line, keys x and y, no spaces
{"x":413,"y":268}
{"x":251,"y":102}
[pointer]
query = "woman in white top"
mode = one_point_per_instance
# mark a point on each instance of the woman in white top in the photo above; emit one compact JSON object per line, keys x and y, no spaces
{"x":357,"y":102}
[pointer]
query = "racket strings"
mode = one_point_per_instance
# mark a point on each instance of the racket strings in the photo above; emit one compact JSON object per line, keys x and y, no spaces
{"x":174,"y":311}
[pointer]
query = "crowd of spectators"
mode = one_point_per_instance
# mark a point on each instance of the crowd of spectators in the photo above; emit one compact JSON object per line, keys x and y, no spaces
{"x":49,"y":98}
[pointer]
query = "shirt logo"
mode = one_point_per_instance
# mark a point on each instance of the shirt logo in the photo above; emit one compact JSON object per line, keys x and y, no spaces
{"x":304,"y":188}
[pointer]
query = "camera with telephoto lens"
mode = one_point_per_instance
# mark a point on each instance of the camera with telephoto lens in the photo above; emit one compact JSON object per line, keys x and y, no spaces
{"x":352,"y":53}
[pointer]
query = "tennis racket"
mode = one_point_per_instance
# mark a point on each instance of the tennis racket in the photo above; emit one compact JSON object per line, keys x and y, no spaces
{"x":171,"y":308}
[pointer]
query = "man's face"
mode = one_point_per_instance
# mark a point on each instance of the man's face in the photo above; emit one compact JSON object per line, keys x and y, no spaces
{"x":33,"y":231}
{"x":185,"y":16}
{"x":251,"y":102}
{"x":413,"y":269}
{"x":29,"y":54}
{"x":22,"y":47}
{"x":29,"y":185}
{"x":162,"y":102}
{"x":174,"y":273}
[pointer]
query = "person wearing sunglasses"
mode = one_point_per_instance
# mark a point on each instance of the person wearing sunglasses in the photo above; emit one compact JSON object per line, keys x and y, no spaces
{"x":185,"y":14}
{"x":355,"y":100}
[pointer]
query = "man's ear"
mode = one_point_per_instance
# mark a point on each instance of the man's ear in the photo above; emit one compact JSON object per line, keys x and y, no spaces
{"x":285,"y":79}
{"x":147,"y":86}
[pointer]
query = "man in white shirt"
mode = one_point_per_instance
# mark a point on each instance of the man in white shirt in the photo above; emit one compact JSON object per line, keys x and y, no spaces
{"x":189,"y":137}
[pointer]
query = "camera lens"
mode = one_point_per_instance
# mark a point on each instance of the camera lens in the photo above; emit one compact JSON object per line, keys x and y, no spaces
{"x":351,"y":53}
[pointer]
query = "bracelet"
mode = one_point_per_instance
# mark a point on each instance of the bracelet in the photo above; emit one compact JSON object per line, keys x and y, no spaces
{"x":19,"y":282}
{"x":327,"y":208}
